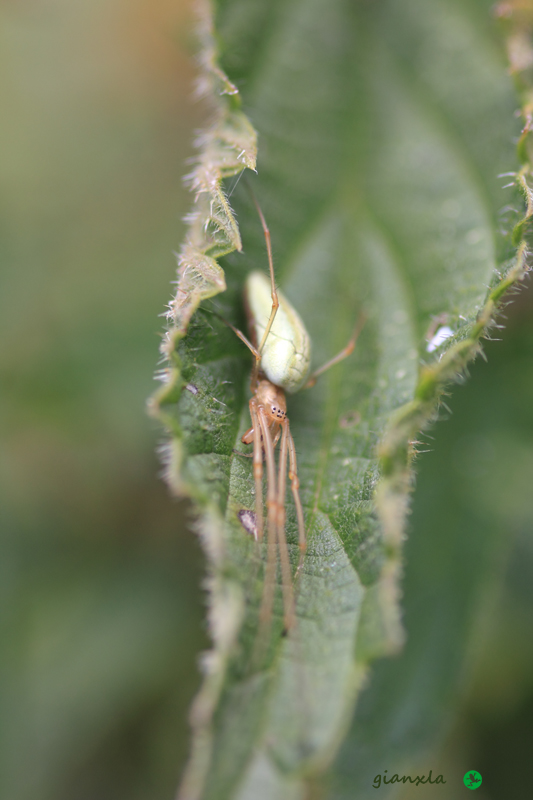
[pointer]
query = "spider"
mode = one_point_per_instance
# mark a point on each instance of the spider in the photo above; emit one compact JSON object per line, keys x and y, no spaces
{"x":281,"y":347}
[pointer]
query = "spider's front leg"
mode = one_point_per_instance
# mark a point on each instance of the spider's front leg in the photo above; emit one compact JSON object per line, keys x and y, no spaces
{"x":255,"y":434}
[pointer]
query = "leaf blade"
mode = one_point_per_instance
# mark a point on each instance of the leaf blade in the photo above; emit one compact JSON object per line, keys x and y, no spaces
{"x":359,"y":201}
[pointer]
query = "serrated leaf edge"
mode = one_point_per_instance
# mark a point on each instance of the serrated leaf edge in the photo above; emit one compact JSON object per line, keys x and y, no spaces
{"x":398,"y":447}
{"x":225,"y":148}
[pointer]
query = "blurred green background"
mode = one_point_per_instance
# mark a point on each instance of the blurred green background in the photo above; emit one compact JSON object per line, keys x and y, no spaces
{"x":101,"y":607}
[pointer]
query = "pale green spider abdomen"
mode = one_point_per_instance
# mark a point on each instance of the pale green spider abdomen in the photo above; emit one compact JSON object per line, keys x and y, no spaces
{"x":286,"y":355}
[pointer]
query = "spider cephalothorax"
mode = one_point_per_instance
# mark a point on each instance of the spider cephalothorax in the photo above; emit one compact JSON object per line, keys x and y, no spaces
{"x":272,"y":400}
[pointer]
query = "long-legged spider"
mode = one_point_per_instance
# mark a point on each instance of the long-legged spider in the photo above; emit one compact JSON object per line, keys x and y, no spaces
{"x":282,"y":349}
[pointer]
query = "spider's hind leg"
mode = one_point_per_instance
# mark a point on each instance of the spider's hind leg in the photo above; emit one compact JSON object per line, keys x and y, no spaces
{"x":286,"y":574}
{"x":295,"y":486}
{"x":267,"y":601}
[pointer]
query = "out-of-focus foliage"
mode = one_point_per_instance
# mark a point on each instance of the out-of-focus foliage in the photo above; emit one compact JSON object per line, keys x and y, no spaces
{"x":101,"y":606}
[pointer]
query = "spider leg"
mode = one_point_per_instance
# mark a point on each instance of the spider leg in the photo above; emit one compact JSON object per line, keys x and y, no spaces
{"x":265,"y":612}
{"x":244,"y":455}
{"x":344,"y":353}
{"x":276,"y":437}
{"x":258,"y":469}
{"x":286,"y":574}
{"x":275,"y":300}
{"x":295,"y":485}
{"x":255,"y":352}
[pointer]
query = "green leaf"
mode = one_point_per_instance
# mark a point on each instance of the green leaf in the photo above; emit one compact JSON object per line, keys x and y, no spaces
{"x":382,"y":129}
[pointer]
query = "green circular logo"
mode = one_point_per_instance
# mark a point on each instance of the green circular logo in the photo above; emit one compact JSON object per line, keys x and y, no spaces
{"x":472,"y":779}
